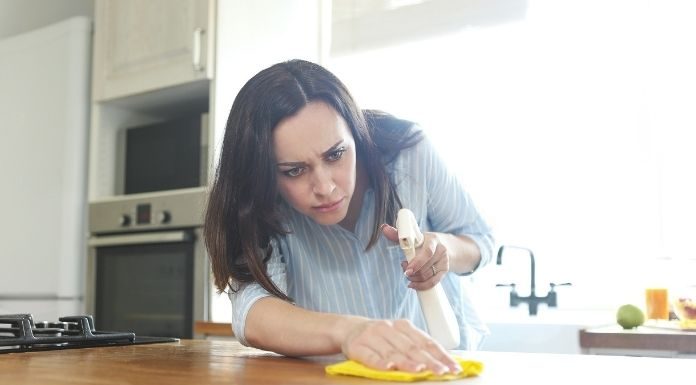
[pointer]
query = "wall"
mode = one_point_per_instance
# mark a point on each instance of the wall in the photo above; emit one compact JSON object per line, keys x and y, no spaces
{"x":18,"y":16}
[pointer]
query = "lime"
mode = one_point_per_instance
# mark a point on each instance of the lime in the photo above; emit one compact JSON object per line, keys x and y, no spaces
{"x":629,"y":316}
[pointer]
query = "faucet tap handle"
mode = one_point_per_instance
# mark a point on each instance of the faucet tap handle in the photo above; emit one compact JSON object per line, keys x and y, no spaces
{"x":552,"y":296}
{"x":514,"y":297}
{"x":553,"y":285}
{"x":512,"y":286}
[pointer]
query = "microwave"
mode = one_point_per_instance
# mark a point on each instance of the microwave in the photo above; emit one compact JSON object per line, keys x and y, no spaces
{"x":166,"y":155}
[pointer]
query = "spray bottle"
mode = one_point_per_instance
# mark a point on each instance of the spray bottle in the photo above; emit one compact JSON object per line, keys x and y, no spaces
{"x":439,"y":317}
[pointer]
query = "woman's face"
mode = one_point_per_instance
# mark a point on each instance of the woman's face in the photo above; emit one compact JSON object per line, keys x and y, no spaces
{"x":316,"y":165}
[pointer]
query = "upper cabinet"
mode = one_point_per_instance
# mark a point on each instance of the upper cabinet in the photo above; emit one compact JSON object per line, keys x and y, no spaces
{"x":142,"y":46}
{"x":155,"y":60}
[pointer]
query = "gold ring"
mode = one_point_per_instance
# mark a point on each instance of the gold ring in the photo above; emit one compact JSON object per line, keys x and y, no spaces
{"x":434,"y":270}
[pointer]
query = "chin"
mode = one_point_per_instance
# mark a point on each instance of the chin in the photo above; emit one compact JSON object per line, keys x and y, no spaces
{"x":328,"y":219}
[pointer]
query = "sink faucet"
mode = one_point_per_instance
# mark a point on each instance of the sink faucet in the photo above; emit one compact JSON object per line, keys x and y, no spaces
{"x":533,"y":301}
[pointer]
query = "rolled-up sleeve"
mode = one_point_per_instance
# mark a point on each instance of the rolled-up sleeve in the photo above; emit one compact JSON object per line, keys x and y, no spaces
{"x":247,"y":294}
{"x":450,"y":207}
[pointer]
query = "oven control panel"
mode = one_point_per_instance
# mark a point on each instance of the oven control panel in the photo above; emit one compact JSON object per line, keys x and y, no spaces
{"x":144,"y":216}
{"x":182,"y":208}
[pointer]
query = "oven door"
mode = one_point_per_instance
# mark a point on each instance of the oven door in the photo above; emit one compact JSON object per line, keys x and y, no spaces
{"x":151,"y":283}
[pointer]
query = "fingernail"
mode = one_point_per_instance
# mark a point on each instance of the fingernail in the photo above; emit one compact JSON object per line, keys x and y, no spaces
{"x":442,"y":370}
{"x":420,"y":367}
{"x":455,"y":369}
{"x":390,"y":365}
{"x":408,"y":272}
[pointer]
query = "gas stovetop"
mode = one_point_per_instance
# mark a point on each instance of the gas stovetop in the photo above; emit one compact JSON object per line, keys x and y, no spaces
{"x":19,"y":333}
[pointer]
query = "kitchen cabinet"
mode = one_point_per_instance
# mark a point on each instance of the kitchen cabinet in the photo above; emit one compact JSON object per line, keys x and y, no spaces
{"x":142,"y":46}
{"x":214,"y":330}
{"x":142,"y":75}
{"x":152,"y":61}
{"x":44,"y":100}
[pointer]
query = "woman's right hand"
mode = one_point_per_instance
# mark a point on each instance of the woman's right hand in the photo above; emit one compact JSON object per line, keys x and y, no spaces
{"x":396,"y":345}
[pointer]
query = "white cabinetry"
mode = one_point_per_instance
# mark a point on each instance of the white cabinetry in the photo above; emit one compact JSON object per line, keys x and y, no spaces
{"x":141,"y":46}
{"x":44,"y":100}
{"x":153,"y":60}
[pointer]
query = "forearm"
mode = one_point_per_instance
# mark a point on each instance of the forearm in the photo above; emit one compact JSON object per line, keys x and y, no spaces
{"x":275,"y":325}
{"x":464,"y":253}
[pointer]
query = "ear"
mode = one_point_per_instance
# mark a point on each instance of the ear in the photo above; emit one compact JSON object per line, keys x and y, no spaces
{"x":390,"y":233}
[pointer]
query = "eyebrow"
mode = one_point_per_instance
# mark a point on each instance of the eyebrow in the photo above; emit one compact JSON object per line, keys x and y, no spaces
{"x":323,"y":154}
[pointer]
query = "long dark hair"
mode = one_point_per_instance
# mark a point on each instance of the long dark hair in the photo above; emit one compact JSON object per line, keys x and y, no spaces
{"x":243,"y":212}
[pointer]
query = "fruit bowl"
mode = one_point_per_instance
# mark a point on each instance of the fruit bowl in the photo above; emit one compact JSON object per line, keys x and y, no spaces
{"x":685,"y":308}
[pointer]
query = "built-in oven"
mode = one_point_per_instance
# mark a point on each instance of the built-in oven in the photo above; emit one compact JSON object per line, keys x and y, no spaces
{"x":147,"y":270}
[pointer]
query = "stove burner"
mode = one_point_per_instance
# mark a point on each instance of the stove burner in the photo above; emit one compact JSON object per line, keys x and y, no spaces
{"x":19,"y":333}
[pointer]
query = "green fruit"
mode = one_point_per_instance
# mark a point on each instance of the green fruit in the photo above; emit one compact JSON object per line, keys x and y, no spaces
{"x":630,"y":316}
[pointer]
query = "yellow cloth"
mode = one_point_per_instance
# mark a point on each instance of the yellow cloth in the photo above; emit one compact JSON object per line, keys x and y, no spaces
{"x":351,"y":368}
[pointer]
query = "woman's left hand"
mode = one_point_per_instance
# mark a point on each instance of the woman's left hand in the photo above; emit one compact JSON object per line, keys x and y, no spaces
{"x":430,"y":264}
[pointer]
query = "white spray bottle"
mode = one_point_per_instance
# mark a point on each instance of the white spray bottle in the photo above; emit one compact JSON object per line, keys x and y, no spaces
{"x":440,"y":319}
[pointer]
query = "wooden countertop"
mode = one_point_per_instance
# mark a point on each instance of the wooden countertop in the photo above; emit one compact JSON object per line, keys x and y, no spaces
{"x":227,"y":362}
{"x":651,"y":337}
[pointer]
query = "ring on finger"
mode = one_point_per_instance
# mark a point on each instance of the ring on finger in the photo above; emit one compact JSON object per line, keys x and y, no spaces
{"x":434,"y":269}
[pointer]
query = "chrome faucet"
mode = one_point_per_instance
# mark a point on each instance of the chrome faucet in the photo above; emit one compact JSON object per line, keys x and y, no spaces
{"x":533,"y":301}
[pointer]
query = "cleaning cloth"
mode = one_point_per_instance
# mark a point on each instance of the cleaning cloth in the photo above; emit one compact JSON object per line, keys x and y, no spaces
{"x":351,"y":368}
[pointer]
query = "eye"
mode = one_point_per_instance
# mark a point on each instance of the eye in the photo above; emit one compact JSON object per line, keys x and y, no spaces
{"x":336,"y":154}
{"x":294,"y":172}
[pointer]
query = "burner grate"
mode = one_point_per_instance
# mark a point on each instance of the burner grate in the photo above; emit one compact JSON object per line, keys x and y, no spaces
{"x":19,"y":333}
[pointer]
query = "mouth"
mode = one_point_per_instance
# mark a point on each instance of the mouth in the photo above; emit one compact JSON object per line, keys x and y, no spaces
{"x":325,"y":208}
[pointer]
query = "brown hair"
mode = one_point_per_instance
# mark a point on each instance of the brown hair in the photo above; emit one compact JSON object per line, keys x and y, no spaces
{"x":243,"y":212}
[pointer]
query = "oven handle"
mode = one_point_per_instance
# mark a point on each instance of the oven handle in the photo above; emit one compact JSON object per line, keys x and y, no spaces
{"x":139,"y":239}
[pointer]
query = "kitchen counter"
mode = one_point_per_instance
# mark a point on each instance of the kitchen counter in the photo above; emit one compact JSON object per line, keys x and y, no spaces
{"x":228,"y":362}
{"x":655,"y":339}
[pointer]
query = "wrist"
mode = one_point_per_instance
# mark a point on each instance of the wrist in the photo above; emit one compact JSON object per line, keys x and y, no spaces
{"x":345,"y":327}
{"x":462,"y":252}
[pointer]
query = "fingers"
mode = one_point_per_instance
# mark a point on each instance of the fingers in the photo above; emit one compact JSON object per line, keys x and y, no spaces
{"x":428,"y":283}
{"x":371,"y":358}
{"x":398,"y":345}
{"x":418,"y":347}
{"x":402,"y":358}
{"x":424,"y":254}
{"x":390,"y":233}
{"x":427,"y":269}
{"x":429,"y":253}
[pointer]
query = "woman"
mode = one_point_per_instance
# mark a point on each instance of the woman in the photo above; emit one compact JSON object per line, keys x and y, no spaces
{"x":296,"y":225}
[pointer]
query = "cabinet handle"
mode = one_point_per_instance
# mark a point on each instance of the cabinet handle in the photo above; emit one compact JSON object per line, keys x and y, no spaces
{"x":197,"y":40}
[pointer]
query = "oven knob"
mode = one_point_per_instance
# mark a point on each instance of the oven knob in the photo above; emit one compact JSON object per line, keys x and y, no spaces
{"x":125,"y":220}
{"x":165,"y":217}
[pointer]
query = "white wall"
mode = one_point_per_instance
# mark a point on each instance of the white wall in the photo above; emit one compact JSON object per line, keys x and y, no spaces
{"x":18,"y":16}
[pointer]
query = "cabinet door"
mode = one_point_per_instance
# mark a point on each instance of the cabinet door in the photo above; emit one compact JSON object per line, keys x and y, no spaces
{"x":147,"y":45}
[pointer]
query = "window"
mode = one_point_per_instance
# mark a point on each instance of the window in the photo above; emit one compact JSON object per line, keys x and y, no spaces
{"x":572,"y":126}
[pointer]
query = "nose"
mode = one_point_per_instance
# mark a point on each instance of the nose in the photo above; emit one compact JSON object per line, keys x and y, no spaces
{"x":322,"y":181}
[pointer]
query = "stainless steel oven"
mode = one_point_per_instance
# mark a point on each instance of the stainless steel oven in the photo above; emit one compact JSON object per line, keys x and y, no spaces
{"x":147,"y":271}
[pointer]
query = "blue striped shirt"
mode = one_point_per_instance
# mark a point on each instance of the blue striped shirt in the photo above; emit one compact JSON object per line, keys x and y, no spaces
{"x":326,"y":268}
